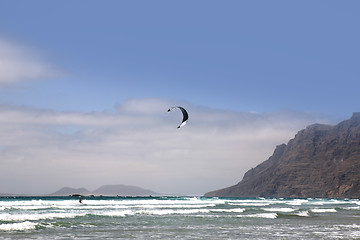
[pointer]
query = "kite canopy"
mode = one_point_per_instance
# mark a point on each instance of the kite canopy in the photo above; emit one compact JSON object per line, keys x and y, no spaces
{"x":185,"y":115}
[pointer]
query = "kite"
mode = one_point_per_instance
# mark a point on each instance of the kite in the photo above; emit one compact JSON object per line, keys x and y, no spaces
{"x":185,"y":115}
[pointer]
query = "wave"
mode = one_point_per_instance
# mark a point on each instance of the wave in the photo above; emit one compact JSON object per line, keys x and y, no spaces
{"x":302,"y":214}
{"x":117,"y":213}
{"x":24,"y":215}
{"x":297,"y":202}
{"x":279,"y":209}
{"x":21,"y":226}
{"x":234,"y":210}
{"x":172,"y":211}
{"x":6,"y":217}
{"x":260,"y":215}
{"x":249,"y":204}
{"x":323,"y":210}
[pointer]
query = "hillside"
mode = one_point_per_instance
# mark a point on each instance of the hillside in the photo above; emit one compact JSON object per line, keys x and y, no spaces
{"x":123,"y":190}
{"x":321,"y":161}
{"x":70,"y":191}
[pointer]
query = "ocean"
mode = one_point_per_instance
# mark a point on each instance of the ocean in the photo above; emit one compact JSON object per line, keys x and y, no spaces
{"x":178,"y":218}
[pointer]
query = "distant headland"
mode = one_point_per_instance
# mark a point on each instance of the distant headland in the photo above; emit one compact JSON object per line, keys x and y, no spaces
{"x":322,"y":161}
{"x":106,"y":190}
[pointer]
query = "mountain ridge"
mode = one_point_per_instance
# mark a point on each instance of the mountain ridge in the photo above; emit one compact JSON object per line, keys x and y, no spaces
{"x":320,"y":161}
{"x":106,"y":190}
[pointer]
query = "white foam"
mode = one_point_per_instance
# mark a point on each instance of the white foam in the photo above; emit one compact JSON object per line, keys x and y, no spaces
{"x":37,"y":204}
{"x":34,"y":217}
{"x":151,"y":212}
{"x":260,"y":215}
{"x":254,"y":204}
{"x":21,"y":226}
{"x":279,"y":209}
{"x":103,"y":204}
{"x":323,"y":210}
{"x":234,"y":210}
{"x":297,"y":202}
{"x":117,"y":213}
{"x":352,"y":208}
{"x":31,"y":207}
{"x":302,"y":214}
{"x":355,"y":234}
{"x":172,"y":211}
{"x":178,"y":206}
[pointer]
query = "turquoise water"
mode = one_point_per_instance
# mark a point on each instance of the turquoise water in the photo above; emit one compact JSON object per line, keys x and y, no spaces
{"x":178,"y":218}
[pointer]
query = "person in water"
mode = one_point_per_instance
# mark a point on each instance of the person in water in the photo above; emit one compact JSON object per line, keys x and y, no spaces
{"x":80,"y":200}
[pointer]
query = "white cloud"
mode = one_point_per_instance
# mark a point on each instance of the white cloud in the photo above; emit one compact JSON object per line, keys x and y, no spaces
{"x":18,"y":63}
{"x":138,"y":144}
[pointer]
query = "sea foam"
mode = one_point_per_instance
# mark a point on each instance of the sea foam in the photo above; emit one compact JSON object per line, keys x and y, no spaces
{"x":323,"y":210}
{"x":35,"y":217}
{"x":279,"y":209}
{"x":21,"y":226}
{"x":260,"y":215}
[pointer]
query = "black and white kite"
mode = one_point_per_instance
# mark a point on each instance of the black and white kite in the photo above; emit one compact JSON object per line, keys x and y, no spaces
{"x":185,"y":115}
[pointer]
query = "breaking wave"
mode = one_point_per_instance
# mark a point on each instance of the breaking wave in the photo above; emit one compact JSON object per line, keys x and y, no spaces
{"x":50,"y":215}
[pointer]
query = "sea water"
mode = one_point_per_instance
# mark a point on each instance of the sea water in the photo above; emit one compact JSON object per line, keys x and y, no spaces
{"x":178,"y":218}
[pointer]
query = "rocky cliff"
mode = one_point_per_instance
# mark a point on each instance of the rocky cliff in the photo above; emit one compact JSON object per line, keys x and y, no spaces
{"x":321,"y":161}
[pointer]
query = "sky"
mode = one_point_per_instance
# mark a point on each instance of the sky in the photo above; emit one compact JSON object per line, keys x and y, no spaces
{"x":85,"y":87}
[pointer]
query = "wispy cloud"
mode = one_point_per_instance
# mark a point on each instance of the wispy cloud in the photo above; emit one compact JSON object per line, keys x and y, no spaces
{"x":19,"y":63}
{"x":137,"y":143}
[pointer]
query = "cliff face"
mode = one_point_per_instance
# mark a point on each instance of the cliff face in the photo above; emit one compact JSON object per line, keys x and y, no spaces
{"x":321,"y":161}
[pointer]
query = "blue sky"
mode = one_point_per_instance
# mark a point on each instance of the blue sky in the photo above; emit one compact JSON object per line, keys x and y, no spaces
{"x":296,"y":61}
{"x":241,"y":55}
